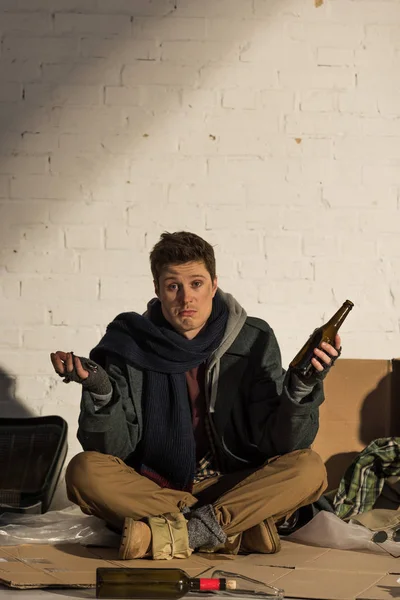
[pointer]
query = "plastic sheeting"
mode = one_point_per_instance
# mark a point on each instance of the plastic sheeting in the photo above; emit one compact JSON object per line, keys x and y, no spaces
{"x":69,"y":525}
{"x":329,"y":531}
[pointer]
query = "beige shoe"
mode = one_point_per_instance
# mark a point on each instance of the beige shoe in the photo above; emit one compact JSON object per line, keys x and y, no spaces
{"x":261,"y":539}
{"x":135,"y":541}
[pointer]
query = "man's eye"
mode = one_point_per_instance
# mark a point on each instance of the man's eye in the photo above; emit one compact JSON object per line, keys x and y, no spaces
{"x":173,"y":287}
{"x":197,"y":283}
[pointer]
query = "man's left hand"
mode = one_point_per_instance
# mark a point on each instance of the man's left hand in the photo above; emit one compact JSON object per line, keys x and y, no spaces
{"x":326,"y":355}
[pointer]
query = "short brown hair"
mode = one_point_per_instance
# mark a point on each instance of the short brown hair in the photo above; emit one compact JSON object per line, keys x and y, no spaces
{"x":178,"y":248}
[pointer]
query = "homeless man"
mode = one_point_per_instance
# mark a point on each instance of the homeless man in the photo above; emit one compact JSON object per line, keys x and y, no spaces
{"x":194,"y":437}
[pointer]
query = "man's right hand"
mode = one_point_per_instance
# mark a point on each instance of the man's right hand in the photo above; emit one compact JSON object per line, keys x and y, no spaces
{"x":64,"y":363}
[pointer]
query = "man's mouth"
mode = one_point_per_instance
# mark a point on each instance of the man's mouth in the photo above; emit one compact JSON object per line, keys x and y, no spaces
{"x":187,"y":313}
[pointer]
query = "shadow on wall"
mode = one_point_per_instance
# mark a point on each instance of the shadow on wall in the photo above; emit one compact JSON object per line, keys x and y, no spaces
{"x":142,"y":81}
{"x":336,"y":467}
{"x":379,"y":418}
{"x":377,"y":411}
{"x":10,"y":406}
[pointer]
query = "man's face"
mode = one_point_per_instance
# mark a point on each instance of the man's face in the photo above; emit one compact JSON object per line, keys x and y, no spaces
{"x":186,"y":292}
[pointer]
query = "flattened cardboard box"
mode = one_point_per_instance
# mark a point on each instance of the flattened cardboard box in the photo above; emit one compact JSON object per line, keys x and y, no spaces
{"x":361,"y":404}
{"x":301,"y":571}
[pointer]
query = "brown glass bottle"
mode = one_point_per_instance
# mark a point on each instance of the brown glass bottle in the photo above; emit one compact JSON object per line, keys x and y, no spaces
{"x":152,"y":583}
{"x":301,"y":363}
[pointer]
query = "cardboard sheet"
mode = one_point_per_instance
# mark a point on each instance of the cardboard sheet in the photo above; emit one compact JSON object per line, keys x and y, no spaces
{"x":302,"y":571}
{"x":71,"y":565}
{"x":361,"y":404}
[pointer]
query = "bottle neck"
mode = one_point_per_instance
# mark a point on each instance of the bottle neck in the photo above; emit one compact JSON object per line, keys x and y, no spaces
{"x":340,"y":315}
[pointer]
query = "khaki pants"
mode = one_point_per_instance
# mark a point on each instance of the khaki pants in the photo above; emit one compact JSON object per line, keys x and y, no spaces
{"x":104,"y":486}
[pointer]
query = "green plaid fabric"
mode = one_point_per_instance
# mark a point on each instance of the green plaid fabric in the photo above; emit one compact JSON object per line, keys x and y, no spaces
{"x":205,"y":468}
{"x":364,"y":479}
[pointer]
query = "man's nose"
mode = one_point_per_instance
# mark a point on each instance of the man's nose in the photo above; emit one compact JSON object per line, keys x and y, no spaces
{"x":186,"y":294}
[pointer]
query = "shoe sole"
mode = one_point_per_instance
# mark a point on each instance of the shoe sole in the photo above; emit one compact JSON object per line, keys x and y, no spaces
{"x":273,"y":535}
{"x":135,"y":541}
{"x":261,"y":539}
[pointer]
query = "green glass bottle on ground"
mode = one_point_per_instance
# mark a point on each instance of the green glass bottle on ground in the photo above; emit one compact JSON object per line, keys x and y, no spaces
{"x":153,"y":583}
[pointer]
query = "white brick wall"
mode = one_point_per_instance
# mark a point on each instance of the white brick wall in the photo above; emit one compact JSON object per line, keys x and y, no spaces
{"x":271,"y":127}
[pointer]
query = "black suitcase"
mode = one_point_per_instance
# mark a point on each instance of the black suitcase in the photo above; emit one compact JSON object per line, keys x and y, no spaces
{"x":32,"y":454}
